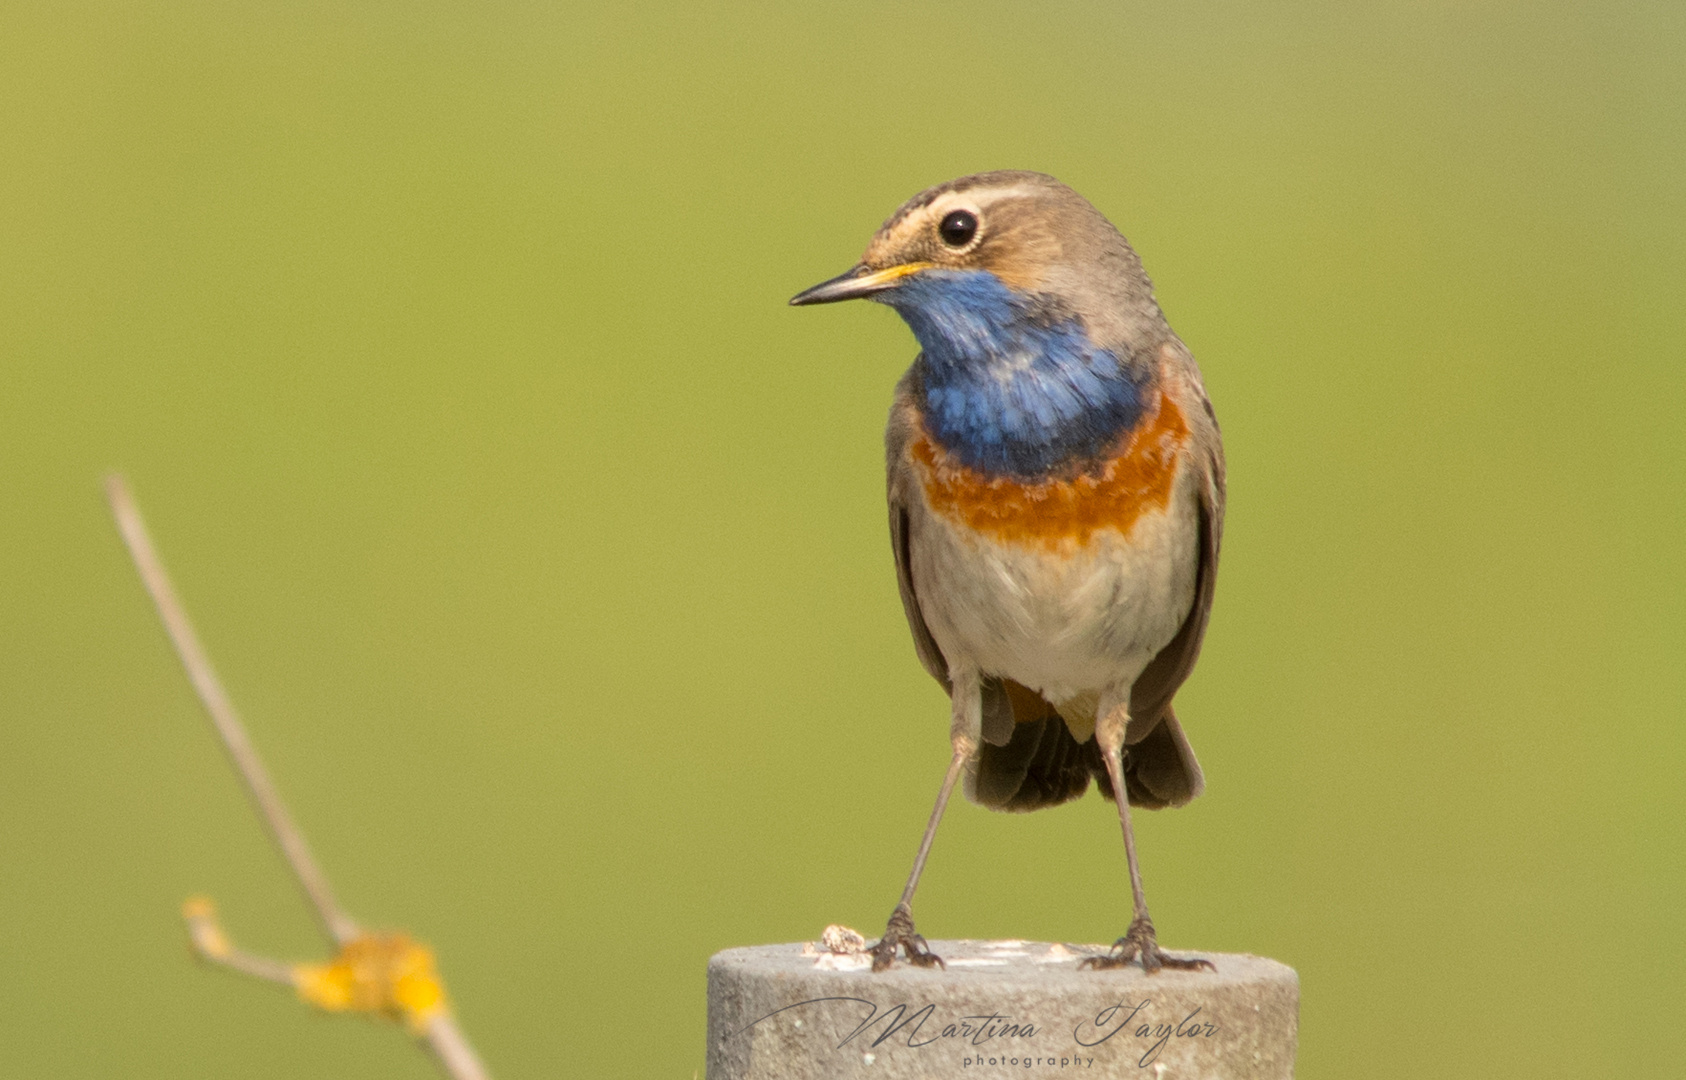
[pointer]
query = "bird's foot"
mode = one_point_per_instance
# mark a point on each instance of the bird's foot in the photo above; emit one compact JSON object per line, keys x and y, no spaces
{"x":1140,"y":943}
{"x":900,"y":933}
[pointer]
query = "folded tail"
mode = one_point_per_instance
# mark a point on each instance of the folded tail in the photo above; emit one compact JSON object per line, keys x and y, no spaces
{"x":1037,"y":762}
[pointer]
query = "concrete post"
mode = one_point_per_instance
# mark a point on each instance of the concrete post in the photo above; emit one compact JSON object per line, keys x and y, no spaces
{"x":1002,"y":1008}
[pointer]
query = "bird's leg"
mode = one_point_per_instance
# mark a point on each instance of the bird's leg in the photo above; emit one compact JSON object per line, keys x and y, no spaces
{"x":1139,"y":941}
{"x":899,"y":931}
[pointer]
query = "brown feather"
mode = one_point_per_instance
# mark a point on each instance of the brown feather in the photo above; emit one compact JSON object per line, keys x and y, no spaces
{"x":923,"y":643}
{"x":1041,"y":764}
{"x":1150,"y":696}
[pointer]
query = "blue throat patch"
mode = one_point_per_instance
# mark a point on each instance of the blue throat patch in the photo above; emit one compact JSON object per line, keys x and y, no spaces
{"x":1007,"y":389}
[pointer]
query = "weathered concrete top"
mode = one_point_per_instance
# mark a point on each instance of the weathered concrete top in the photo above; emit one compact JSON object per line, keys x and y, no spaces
{"x":1001,"y":1008}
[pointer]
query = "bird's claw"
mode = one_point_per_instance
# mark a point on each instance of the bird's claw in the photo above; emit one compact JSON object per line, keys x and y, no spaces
{"x":900,"y":933}
{"x":1140,"y":943}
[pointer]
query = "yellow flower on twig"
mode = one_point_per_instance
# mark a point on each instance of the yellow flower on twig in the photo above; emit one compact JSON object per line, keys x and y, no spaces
{"x":387,"y":974}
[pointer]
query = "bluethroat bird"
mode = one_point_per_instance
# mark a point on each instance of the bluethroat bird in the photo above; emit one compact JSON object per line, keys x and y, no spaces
{"x":1056,"y":495}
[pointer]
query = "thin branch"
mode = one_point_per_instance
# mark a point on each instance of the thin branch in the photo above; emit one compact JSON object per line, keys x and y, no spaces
{"x":452,"y":1048}
{"x":335,"y":921}
{"x":212,"y":944}
{"x":443,"y":1036}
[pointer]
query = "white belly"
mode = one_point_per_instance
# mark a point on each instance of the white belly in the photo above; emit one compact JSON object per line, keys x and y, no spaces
{"x":1070,"y":621}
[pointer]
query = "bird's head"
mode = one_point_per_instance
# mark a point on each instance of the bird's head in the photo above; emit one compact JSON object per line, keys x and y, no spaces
{"x":998,"y":247}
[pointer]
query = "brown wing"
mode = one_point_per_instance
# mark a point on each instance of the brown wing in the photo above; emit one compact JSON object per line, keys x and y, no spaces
{"x":1151,"y":718}
{"x":923,"y":643}
{"x":1150,"y":697}
{"x":897,"y":483}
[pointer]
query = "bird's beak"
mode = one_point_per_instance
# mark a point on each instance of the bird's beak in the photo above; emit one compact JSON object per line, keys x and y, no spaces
{"x":861,"y":281}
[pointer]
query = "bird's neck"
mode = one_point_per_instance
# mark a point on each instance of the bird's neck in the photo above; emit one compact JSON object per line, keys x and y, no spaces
{"x":1008,"y":386}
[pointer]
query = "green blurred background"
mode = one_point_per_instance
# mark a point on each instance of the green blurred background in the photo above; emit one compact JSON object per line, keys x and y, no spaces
{"x":543,"y":548}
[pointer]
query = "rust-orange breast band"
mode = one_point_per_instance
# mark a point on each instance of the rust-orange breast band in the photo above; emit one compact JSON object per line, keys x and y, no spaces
{"x":1137,"y":478}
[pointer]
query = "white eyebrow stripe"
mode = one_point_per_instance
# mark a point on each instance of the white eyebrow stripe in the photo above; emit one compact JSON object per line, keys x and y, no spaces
{"x":971,"y":196}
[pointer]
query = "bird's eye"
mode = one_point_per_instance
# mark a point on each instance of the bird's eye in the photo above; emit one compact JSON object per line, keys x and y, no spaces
{"x":958,"y":227}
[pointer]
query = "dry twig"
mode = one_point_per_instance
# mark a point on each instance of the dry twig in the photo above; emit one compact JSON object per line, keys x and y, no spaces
{"x":385,"y":974}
